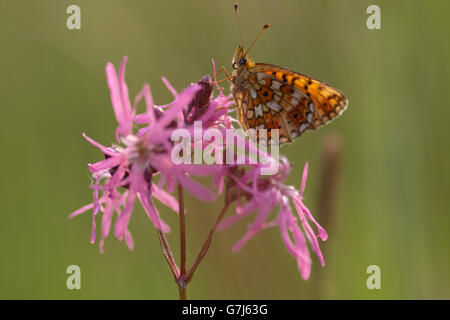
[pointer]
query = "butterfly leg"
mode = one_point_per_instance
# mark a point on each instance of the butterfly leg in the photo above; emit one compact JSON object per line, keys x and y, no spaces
{"x":228,"y":77}
{"x":229,"y":108}
{"x":224,"y":70}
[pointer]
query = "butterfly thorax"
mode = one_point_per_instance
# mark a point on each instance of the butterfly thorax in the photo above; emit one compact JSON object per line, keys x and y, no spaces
{"x":241,"y":71}
{"x":240,"y":80}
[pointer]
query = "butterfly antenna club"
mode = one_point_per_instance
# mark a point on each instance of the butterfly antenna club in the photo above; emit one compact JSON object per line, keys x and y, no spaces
{"x":257,"y":37}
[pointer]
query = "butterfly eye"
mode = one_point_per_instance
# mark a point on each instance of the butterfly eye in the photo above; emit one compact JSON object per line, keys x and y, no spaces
{"x":242,"y":61}
{"x":235,"y":66}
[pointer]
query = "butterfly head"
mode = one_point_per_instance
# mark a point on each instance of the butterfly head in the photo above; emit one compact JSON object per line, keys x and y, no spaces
{"x":240,"y":59}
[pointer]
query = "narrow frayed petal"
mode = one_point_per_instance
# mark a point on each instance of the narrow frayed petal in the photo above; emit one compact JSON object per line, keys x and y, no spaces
{"x":93,"y":229}
{"x":106,"y":224}
{"x":81,"y":210}
{"x":165,"y":198}
{"x":94,"y":212}
{"x":114,"y":89}
{"x":195,"y":188}
{"x":105,"y":164}
{"x":321,"y":232}
{"x":200,"y":170}
{"x":257,"y":225}
{"x":102,"y":148}
{"x":149,"y":117}
{"x":153,"y":214}
{"x":129,"y":239}
{"x":123,"y":220}
{"x":175,"y":107}
{"x":169,"y":86}
{"x":165,"y":164}
{"x":309,"y":231}
{"x":127,"y":111}
{"x":149,"y":104}
{"x":229,"y":221}
{"x":238,"y":245}
{"x":305,"y":175}
{"x":119,"y":97}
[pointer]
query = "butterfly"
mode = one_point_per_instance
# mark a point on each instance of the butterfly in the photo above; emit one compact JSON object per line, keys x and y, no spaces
{"x":271,"y":97}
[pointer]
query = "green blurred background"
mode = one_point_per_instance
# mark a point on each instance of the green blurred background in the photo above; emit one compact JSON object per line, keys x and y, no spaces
{"x":391,"y":205}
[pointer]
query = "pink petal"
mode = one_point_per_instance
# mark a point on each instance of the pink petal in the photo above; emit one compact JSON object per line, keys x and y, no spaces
{"x":165,"y":198}
{"x":169,"y":86}
{"x":153,"y":213}
{"x":254,"y":228}
{"x":115,"y":92}
{"x":81,"y":210}
{"x":199,"y":169}
{"x":236,"y":217}
{"x":195,"y":188}
{"x":129,"y":239}
{"x":175,"y":107}
{"x":105,"y":164}
{"x":124,"y":218}
{"x":104,"y":149}
{"x":94,"y":213}
{"x":125,"y":96}
{"x":310,"y":233}
{"x":106,"y":224}
{"x":321,"y":232}
{"x":305,"y":175}
{"x":299,"y":250}
{"x":142,"y":118}
{"x":149,"y":103}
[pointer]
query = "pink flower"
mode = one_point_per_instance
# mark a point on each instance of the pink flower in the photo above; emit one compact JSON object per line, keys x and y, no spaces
{"x":263,"y":194}
{"x":126,"y":173}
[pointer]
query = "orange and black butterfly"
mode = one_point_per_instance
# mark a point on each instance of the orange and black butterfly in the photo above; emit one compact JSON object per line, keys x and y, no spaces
{"x":271,"y":97}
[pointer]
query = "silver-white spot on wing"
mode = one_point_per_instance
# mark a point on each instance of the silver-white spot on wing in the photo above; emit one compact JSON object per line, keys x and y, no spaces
{"x":259,"y":111}
{"x":275,"y":85}
{"x":274,"y":106}
{"x":297,"y":94}
{"x":303,"y":127}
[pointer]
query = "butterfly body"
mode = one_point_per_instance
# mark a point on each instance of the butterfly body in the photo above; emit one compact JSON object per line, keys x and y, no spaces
{"x":271,"y":97}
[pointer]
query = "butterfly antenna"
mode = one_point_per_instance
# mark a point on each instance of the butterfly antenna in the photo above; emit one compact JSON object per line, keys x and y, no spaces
{"x":239,"y":24}
{"x":257,"y":37}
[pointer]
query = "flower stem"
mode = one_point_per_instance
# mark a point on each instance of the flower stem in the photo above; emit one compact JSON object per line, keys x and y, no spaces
{"x":182,"y":285}
{"x":207,"y":243}
{"x":168,"y":255}
{"x":181,"y":276}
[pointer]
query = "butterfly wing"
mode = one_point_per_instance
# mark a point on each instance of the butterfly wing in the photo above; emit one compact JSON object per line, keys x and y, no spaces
{"x":254,"y":113}
{"x":278,"y":98}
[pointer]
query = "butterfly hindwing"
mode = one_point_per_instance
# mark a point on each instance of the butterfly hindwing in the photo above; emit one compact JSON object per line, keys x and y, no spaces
{"x":282,"y":107}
